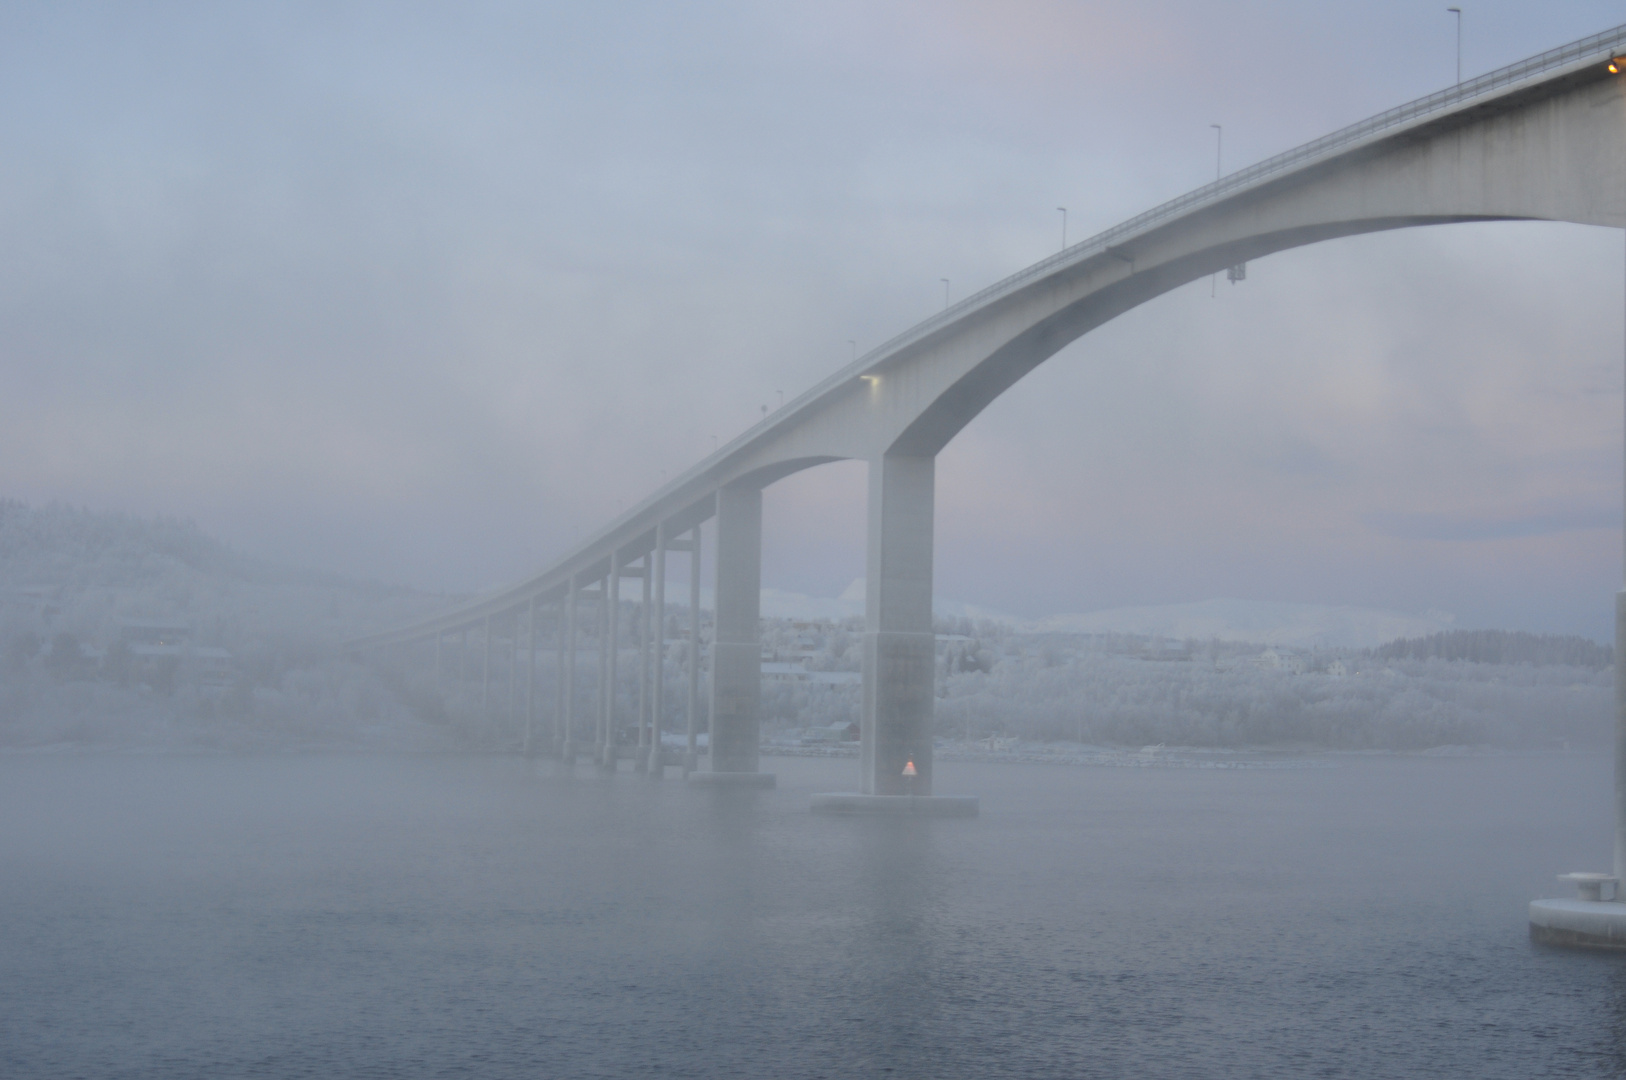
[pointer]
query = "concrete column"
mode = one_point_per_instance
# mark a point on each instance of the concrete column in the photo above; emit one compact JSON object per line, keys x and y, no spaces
{"x":645,"y":692}
{"x":513,"y":665}
{"x":657,"y":704}
{"x":485,"y":674}
{"x":530,"y":678}
{"x":736,"y":650}
{"x":692,"y":713}
{"x":900,"y":653}
{"x":565,"y":718}
{"x":1620,"y":743}
{"x":612,"y":636}
{"x":598,"y":703}
{"x":1620,"y":734}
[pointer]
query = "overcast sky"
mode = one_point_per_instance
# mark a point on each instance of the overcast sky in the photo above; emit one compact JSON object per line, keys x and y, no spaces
{"x":428,"y":292}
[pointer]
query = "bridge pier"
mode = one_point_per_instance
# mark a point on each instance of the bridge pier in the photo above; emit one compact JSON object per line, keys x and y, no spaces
{"x":530,"y":676}
{"x":609,"y":646}
{"x":657,"y":702}
{"x":1620,"y":736}
{"x":691,"y":714}
{"x":645,"y":692}
{"x":900,"y":650}
{"x":564,"y":716}
{"x":900,"y":653}
{"x":736,"y":651}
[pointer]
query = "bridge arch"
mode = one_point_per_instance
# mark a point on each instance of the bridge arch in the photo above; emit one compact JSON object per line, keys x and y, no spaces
{"x":964,"y":399}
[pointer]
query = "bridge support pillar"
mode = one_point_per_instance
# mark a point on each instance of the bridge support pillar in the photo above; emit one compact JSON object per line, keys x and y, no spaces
{"x":530,"y":676}
{"x":564,"y":717}
{"x":657,"y":701}
{"x":736,"y":657}
{"x":645,"y":691}
{"x":1620,"y":737}
{"x":609,"y":649}
{"x":900,"y":655}
{"x":485,"y":673}
{"x":691,"y":707}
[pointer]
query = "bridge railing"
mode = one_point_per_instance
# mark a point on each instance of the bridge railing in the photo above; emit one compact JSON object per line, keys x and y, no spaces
{"x":1441,"y":101}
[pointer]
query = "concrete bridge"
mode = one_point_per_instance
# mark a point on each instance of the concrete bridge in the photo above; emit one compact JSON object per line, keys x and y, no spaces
{"x":1541,"y":139}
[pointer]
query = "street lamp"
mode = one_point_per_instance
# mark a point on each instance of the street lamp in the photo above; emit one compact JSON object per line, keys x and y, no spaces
{"x":1458,"y":13}
{"x":1063,"y":210}
{"x":945,"y":282}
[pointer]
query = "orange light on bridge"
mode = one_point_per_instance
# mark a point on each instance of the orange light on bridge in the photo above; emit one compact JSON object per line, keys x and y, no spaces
{"x":909,"y":768}
{"x":1616,"y":64}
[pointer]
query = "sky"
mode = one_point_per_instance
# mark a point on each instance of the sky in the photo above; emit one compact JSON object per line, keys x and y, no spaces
{"x":428,"y":293}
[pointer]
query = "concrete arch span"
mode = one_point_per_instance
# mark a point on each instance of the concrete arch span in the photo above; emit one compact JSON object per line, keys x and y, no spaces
{"x":1544,"y":139}
{"x":963,"y":400}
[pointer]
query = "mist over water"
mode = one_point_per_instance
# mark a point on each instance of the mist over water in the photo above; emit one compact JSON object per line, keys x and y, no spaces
{"x":435,"y":916}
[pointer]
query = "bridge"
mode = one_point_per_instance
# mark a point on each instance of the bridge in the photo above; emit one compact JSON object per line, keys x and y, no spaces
{"x":1542,"y":139}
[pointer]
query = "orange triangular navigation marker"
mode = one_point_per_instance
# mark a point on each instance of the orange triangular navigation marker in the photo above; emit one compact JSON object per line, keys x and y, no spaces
{"x":909,"y":769}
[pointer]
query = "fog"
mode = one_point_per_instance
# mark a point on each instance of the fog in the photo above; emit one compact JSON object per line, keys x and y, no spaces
{"x":1268,"y":616}
{"x":426,"y":297}
{"x":283,"y":916}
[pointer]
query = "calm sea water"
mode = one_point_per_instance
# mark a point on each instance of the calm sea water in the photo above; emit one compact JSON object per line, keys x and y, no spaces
{"x":385,"y":917}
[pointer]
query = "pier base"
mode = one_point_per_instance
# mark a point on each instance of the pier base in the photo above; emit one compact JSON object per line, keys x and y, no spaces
{"x":849,"y":802}
{"x":1583,"y":924}
{"x":733,"y":779}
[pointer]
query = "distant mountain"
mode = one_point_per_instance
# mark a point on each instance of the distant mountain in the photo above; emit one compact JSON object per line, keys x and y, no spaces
{"x":65,"y":568}
{"x":778,"y":604}
{"x":1265,"y":622}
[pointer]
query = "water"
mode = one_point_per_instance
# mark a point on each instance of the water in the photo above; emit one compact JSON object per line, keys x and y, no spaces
{"x":438,"y":917}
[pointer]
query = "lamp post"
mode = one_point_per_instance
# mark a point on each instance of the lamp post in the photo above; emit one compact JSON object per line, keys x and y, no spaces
{"x":945,"y":282}
{"x":1063,"y":210}
{"x":1458,"y":13}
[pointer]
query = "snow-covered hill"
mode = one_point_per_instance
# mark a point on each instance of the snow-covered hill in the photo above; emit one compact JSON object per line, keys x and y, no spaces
{"x":778,"y":604}
{"x":1261,"y":621}
{"x":1265,"y":622}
